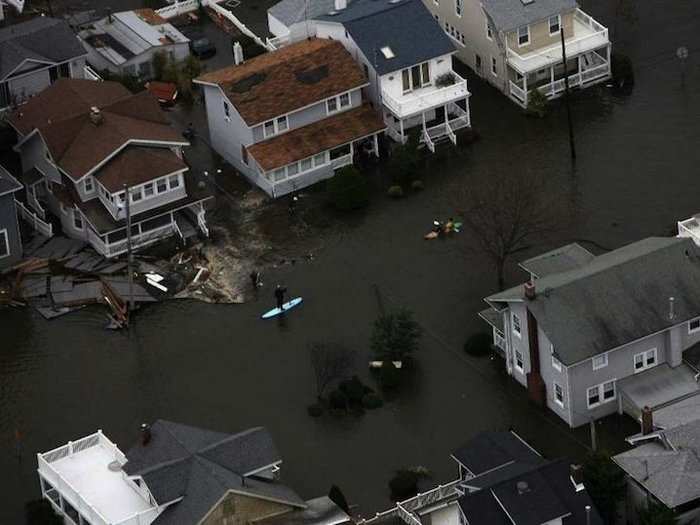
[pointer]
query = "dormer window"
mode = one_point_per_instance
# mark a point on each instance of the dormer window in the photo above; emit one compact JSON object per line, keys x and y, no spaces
{"x":88,"y":185}
{"x":523,"y":35}
{"x":275,"y":126}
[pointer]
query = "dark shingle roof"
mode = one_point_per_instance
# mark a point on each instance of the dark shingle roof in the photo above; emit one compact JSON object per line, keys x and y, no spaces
{"x":200,"y":466}
{"x":546,"y":492}
{"x":508,"y":15}
{"x":41,"y":38}
{"x":562,"y":259}
{"x":290,"y":12}
{"x":405,"y":26}
{"x":8,"y":184}
{"x":488,"y":450}
{"x":616,"y":298}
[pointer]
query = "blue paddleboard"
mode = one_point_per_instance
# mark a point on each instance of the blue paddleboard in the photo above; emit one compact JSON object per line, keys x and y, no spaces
{"x":286,"y":306}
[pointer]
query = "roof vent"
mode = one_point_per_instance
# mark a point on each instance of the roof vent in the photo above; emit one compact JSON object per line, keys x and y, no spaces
{"x":96,"y":116}
{"x":522,"y":487}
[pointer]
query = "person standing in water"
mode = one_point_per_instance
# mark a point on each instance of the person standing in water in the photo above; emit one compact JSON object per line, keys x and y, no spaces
{"x":279,"y":295}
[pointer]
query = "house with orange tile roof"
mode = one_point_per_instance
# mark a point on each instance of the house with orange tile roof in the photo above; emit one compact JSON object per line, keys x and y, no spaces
{"x":290,"y":118}
{"x":88,"y":146}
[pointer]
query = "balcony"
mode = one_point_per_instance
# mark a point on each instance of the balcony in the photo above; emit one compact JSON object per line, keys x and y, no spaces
{"x":426,"y":98}
{"x":588,"y":36}
{"x":83,"y":481}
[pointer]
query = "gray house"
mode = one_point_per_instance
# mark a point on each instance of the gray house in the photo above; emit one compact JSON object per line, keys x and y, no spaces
{"x":290,"y":118}
{"x":406,"y":57}
{"x":592,"y":335}
{"x":10,"y":240}
{"x":502,"y":480}
{"x":664,"y":468}
{"x":177,"y":475}
{"x":125,"y":43}
{"x":88,"y":146}
{"x":33,"y":55}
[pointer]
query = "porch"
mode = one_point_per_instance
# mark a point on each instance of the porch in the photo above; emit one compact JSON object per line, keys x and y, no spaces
{"x":436,"y":124}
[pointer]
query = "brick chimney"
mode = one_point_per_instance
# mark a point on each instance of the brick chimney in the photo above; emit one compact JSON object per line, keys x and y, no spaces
{"x":647,"y":421}
{"x":536,"y":389}
{"x":530,"y":290}
{"x":96,"y":116}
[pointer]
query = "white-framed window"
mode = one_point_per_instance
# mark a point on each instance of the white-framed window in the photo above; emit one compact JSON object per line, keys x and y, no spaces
{"x":275,"y":126}
{"x":494,"y":68}
{"x":558,"y":395}
{"x":77,"y":220}
{"x":523,"y":36}
{"x":174,"y":181}
{"x":600,"y":361}
{"x":517,"y":330}
{"x":599,"y":394}
{"x":519,"y":361}
{"x":136,"y":195}
{"x":645,"y":360}
{"x":694,"y":325}
{"x":320,"y":159}
{"x":4,"y":244}
{"x":344,"y":100}
{"x":331,"y":105}
{"x":148,"y":190}
{"x":489,"y":32}
{"x":227,"y":112}
{"x":416,"y":77}
{"x":337,"y":103}
{"x":161,"y":185}
{"x":88,"y":184}
{"x":307,"y":164}
{"x":554,"y":24}
{"x":459,"y":7}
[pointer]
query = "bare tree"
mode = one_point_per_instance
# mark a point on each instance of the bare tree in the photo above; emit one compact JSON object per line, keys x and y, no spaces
{"x":507,"y":212}
{"x":330,"y":362}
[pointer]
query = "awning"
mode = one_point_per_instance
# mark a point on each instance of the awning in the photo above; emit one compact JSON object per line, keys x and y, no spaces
{"x":656,"y":388}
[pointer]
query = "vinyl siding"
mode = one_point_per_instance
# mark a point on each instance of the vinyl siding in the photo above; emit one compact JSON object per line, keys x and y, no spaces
{"x":9,"y":222}
{"x":539,"y":35}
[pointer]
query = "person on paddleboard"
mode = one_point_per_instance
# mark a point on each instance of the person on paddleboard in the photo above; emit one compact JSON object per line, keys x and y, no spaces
{"x":279,"y":295}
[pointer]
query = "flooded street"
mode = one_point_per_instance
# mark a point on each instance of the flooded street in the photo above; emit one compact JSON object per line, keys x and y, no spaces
{"x":222,"y":367}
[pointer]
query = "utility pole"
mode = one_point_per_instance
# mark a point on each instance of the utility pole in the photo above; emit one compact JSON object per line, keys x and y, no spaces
{"x":129,"y":252}
{"x":566,"y":96}
{"x":594,"y":441}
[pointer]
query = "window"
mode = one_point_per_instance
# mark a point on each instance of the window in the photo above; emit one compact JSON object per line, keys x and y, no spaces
{"x":523,"y":35}
{"x":516,"y":325}
{"x":282,"y":124}
{"x":645,"y":360}
{"x":494,"y":70}
{"x":559,"y":395}
{"x":269,"y":128}
{"x":4,"y":244}
{"x":320,"y":159}
{"x":278,"y":125}
{"x":306,"y":164}
{"x":174,"y":181}
{"x":602,"y":393}
{"x":458,"y":7}
{"x":77,"y":220}
{"x":292,"y":169}
{"x":593,"y":396}
{"x":489,"y":33}
{"x":694,"y":325}
{"x":148,"y":190}
{"x":344,"y":100}
{"x":425,"y":73}
{"x":161,"y":185}
{"x":88,"y":185}
{"x":600,"y":361}
{"x":136,"y":195}
{"x":332,"y":105}
{"x":416,"y":77}
{"x":227,"y":114}
{"x":519,"y":361}
{"x":278,"y":175}
{"x":406,"y":80}
{"x":340,"y":151}
{"x":477,"y":61}
{"x":554,"y":24}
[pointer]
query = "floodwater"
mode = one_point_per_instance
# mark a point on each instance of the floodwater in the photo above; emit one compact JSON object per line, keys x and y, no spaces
{"x":223,"y":368}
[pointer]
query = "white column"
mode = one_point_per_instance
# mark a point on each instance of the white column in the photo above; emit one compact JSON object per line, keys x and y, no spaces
{"x":376,"y":145}
{"x":447,"y":117}
{"x":525,"y":88}
{"x":401,"y":128}
{"x":551,"y":79}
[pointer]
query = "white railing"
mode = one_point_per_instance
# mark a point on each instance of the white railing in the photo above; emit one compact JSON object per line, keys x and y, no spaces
{"x":225,"y":13}
{"x":45,"y":228}
{"x":276,"y":42}
{"x":425,"y":98}
{"x":139,"y":241}
{"x":177,"y":230}
{"x":91,"y":74}
{"x":595,"y":73}
{"x":533,"y":60}
{"x":518,"y":92}
{"x":34,"y":203}
{"x":202,"y":223}
{"x":341,"y":161}
{"x":178,"y":8}
{"x":690,"y":228}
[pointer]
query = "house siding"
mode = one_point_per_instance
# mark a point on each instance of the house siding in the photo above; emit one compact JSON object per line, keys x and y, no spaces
{"x":24,"y":85}
{"x":236,"y":509}
{"x":10,"y":222}
{"x":33,"y":153}
{"x":551,"y":375}
{"x":539,"y":35}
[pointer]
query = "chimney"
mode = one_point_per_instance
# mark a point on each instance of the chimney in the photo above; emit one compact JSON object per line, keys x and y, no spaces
{"x":340,"y":4}
{"x":237,"y":53}
{"x":530,"y":291}
{"x":671,"y":309}
{"x":109,"y":16}
{"x":96,"y":116}
{"x":145,"y":434}
{"x":576,"y":473}
{"x":522,"y":487}
{"x":647,"y":421}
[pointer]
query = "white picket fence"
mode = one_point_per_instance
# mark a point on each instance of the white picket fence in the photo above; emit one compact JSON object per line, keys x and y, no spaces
{"x":32,"y":218}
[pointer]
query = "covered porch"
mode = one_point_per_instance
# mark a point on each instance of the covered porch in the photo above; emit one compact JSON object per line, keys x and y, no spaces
{"x":436,"y":124}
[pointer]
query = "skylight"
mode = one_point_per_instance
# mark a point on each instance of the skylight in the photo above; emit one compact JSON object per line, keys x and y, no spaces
{"x":387,"y":52}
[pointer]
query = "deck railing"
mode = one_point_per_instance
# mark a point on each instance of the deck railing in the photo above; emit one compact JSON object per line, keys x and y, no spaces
{"x":425,"y":98}
{"x":43,"y":227}
{"x":139,"y":241}
{"x":341,"y":161}
{"x":277,"y":42}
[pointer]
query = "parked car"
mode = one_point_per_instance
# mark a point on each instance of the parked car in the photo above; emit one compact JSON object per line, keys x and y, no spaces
{"x":202,"y":48}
